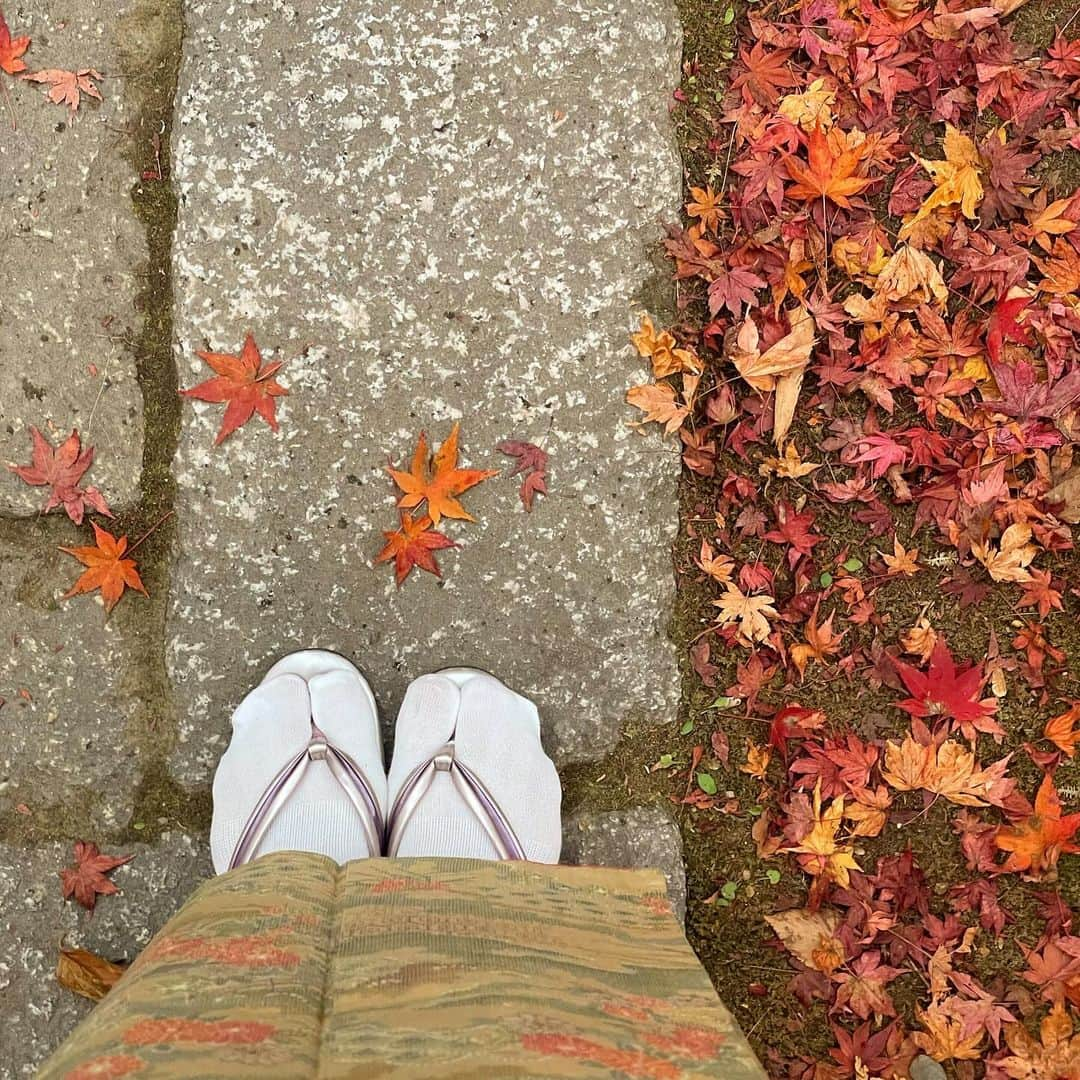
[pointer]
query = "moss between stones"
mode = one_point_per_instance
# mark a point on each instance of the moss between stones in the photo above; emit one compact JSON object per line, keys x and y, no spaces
{"x":150,"y":40}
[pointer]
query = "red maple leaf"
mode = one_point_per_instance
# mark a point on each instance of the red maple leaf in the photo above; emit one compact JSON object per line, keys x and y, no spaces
{"x":86,"y":880}
{"x":11,"y":49}
{"x":733,"y":288}
{"x":245,"y":383}
{"x":1003,"y":326}
{"x":414,"y":544}
{"x":947,"y":691}
{"x":766,"y":74}
{"x":60,"y":469}
{"x":795,"y":531}
{"x":881,"y":449}
{"x":532,"y":461}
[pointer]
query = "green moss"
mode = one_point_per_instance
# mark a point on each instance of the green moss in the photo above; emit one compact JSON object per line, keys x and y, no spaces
{"x":161,"y":804}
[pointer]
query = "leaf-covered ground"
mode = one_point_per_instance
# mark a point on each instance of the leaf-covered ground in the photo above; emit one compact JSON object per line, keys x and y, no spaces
{"x":873,"y":366}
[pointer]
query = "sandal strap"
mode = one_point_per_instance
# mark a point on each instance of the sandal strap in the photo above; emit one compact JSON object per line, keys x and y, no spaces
{"x":343,"y":768}
{"x":471,"y":788}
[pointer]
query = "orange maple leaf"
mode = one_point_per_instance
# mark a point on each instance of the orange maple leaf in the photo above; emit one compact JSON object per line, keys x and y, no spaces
{"x":831,"y":173}
{"x":438,"y":480}
{"x":11,"y":49}
{"x":245,"y":383}
{"x":1061,"y":270}
{"x":1061,"y":730}
{"x":821,"y":643}
{"x":414,"y":544}
{"x":1037,"y":842}
{"x":107,"y":569}
{"x":1058,"y":1056}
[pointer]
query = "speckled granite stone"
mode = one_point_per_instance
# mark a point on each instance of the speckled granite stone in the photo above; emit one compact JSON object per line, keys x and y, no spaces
{"x":34,"y":920}
{"x":430,"y":212}
{"x":71,"y":249}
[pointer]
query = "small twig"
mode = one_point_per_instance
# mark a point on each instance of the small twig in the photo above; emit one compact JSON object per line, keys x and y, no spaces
{"x":153,"y":528}
{"x":101,"y":390}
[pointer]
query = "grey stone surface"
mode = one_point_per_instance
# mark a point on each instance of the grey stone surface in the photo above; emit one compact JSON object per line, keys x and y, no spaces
{"x":38,"y":1012}
{"x":643,"y":837}
{"x":430,"y":212}
{"x":71,"y":248}
{"x":66,"y":691}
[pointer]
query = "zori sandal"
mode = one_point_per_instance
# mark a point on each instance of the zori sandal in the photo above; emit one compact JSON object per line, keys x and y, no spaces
{"x":304,"y":769}
{"x":470,"y":778}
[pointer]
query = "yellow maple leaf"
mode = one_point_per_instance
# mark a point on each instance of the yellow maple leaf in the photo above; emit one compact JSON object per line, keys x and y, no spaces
{"x":1009,"y":561}
{"x":757,"y":760}
{"x":1057,"y":1057}
{"x":779,"y":368}
{"x":910,"y":279}
{"x":810,"y":108}
{"x":791,"y":465}
{"x":957,"y":180}
{"x":944,"y":1038}
{"x":752,"y":613}
{"x":919,"y":640}
{"x":705,"y":205}
{"x":901,"y":561}
{"x":660,"y":405}
{"x":819,"y":853}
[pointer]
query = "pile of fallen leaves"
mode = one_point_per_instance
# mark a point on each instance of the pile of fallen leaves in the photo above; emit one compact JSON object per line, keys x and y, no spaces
{"x":880,"y":327}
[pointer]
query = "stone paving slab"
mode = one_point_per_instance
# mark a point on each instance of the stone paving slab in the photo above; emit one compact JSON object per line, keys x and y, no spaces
{"x":72,"y":247}
{"x":431,"y":213}
{"x":38,"y":1012}
{"x":67,"y":694}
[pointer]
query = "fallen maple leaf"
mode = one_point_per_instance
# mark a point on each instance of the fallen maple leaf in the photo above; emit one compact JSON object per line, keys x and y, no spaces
{"x":819,"y":852}
{"x":67,"y":87}
{"x":1061,"y":730}
{"x":791,"y":465}
{"x":532,"y":461}
{"x":86,"y":880}
{"x":11,"y":49}
{"x":108,"y":570}
{"x":244,"y":383}
{"x":1058,"y":1057}
{"x":438,"y":480}
{"x":659,"y":404}
{"x":780,"y":368}
{"x":910,"y":279}
{"x":956,"y":179}
{"x":1004,"y":325}
{"x":1010,"y":560}
{"x":1037,"y":842}
{"x":947,"y":691}
{"x":901,"y":561}
{"x":414,"y":544}
{"x":830,"y":172}
{"x":948,"y":770}
{"x":61,"y":468}
{"x":821,"y":643}
{"x":751,"y":612}
{"x":944,"y":1039}
{"x":87,"y":974}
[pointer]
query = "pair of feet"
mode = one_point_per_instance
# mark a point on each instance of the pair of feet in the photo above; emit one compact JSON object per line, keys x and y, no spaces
{"x":304,"y":770}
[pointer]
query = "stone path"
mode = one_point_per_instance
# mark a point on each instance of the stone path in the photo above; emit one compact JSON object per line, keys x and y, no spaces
{"x":431,"y":214}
